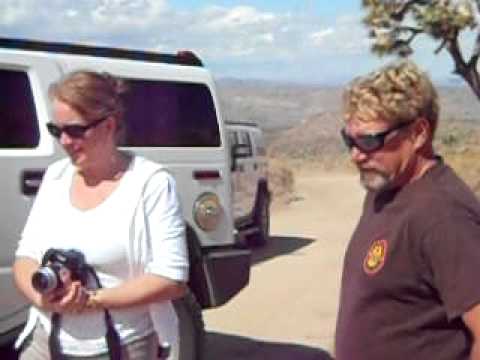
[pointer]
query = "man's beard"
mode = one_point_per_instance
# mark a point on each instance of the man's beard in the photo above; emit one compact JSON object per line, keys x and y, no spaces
{"x":374,"y":180}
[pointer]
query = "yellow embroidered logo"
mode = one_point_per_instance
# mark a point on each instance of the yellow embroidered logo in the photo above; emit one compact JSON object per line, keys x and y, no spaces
{"x":375,"y":258}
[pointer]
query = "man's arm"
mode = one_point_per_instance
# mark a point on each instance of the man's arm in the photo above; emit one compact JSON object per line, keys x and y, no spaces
{"x":472,"y":319}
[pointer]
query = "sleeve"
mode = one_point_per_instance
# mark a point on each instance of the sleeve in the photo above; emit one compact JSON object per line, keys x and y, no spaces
{"x":453,"y":249}
{"x":30,"y":243}
{"x":165,"y":227}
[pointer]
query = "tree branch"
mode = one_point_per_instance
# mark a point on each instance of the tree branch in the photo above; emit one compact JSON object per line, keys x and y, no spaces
{"x":400,"y":13}
{"x":414,"y":32}
{"x":472,"y":63}
{"x":441,"y":46}
{"x":453,"y":48}
{"x":411,"y":29}
{"x":476,"y":50}
{"x":412,"y":37}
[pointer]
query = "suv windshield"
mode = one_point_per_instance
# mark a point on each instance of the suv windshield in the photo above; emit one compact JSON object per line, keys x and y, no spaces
{"x":169,"y":114}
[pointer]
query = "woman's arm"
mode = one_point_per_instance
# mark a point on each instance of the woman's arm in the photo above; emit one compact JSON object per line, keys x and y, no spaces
{"x":165,"y":272}
{"x":142,"y":290}
{"x":23,"y":269}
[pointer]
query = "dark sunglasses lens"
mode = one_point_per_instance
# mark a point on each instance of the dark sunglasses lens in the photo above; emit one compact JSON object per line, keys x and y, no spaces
{"x":54,"y":130}
{"x":365,"y":143}
{"x":369,"y":143}
{"x":75,"y":131}
{"x":347,"y":139}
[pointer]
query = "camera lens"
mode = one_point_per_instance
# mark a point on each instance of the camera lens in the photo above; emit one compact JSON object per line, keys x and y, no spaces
{"x":44,"y":280}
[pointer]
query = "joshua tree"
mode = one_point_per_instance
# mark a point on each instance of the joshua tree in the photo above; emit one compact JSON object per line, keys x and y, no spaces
{"x":395,"y":24}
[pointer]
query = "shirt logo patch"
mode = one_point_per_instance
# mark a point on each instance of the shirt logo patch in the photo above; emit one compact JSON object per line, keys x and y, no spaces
{"x":376,"y":257}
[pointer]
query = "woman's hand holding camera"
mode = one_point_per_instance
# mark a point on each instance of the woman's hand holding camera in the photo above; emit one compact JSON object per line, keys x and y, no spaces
{"x":71,"y":299}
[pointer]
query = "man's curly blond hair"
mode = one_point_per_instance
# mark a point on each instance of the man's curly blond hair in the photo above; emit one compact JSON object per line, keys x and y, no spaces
{"x":397,"y":93}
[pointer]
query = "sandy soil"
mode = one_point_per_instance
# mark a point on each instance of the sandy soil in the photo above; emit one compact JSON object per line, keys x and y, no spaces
{"x":288,"y":311}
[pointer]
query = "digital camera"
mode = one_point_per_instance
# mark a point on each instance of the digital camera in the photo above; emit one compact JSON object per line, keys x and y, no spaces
{"x":59,"y":267}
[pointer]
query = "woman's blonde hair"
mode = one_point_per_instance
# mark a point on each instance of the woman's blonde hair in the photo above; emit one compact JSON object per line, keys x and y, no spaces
{"x":93,"y":95}
{"x":397,"y":93}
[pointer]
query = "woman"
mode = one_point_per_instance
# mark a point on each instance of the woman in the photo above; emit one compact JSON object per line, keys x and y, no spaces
{"x":122,"y":213}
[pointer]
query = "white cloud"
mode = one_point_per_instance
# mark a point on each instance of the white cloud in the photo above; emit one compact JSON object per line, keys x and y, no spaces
{"x":234,"y":32}
{"x":219,"y":19}
{"x":221,"y":35}
{"x":124,"y":13}
{"x":267,"y":38}
{"x":319,"y":37}
{"x":152,"y":24}
{"x":347,"y":36}
{"x":15,"y":11}
{"x":71,"y":13}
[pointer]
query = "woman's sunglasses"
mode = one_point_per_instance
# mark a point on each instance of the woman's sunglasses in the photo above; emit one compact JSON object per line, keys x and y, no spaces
{"x":73,"y":131}
{"x":369,"y":143}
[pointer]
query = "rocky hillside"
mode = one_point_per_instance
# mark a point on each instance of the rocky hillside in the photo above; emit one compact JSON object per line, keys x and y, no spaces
{"x":302,"y":124}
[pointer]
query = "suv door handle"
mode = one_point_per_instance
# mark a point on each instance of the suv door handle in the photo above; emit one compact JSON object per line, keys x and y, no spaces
{"x":31,"y":180}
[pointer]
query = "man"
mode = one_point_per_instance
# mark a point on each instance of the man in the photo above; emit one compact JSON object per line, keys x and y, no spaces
{"x":410,"y":288}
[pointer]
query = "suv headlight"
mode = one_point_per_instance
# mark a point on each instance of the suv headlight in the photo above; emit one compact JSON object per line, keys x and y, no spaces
{"x":207,"y":211}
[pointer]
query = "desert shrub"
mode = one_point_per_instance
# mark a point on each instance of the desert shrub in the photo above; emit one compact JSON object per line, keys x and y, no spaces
{"x":281,"y":180}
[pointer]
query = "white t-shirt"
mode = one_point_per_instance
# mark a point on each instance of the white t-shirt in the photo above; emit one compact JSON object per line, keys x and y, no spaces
{"x":138,"y":229}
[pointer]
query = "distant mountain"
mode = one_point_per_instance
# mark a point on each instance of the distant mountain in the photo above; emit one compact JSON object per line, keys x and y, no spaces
{"x":278,"y":105}
{"x":275,"y":106}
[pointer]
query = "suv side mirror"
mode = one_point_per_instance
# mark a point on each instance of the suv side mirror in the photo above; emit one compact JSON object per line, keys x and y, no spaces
{"x":239,"y":151}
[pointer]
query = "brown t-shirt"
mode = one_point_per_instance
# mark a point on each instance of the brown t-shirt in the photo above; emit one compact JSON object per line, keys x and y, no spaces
{"x":411,"y":270}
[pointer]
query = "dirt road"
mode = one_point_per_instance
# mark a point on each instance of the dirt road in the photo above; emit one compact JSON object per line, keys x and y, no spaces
{"x":288,"y":311}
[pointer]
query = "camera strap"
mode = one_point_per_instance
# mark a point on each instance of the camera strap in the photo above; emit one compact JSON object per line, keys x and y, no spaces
{"x":112,"y":337}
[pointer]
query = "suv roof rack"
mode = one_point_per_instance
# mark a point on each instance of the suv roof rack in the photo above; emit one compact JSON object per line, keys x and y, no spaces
{"x":184,"y":57}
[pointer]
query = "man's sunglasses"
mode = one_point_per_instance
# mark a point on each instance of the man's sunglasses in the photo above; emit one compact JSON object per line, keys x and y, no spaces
{"x":369,"y":143}
{"x":73,"y":131}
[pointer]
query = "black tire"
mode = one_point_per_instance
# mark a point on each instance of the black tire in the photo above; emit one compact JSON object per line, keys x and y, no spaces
{"x":192,"y":328}
{"x":8,"y":352}
{"x":262,"y":221}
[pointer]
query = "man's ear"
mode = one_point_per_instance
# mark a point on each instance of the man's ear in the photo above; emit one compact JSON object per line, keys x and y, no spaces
{"x":422,"y":132}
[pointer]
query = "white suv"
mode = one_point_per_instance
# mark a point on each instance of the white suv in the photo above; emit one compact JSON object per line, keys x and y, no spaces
{"x":172,"y":117}
{"x":251,"y":195}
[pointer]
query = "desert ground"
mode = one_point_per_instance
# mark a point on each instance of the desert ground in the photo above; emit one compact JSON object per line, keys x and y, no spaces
{"x":288,"y":311}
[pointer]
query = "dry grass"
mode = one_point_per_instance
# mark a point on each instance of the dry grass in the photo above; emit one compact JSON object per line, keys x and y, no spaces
{"x":467,"y":165}
{"x":314,"y":146}
{"x":281,"y":181}
{"x":459,"y":143}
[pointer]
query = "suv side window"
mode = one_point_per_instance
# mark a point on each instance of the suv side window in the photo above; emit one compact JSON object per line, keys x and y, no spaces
{"x":244,"y":139}
{"x":260,"y":144}
{"x":19,"y":125}
{"x":232,"y":138}
{"x":169,"y":114}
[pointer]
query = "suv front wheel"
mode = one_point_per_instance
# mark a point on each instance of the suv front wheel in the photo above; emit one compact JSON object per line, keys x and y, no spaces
{"x":191,"y":328}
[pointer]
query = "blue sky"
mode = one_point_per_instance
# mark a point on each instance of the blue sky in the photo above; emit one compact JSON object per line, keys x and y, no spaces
{"x":313,"y":41}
